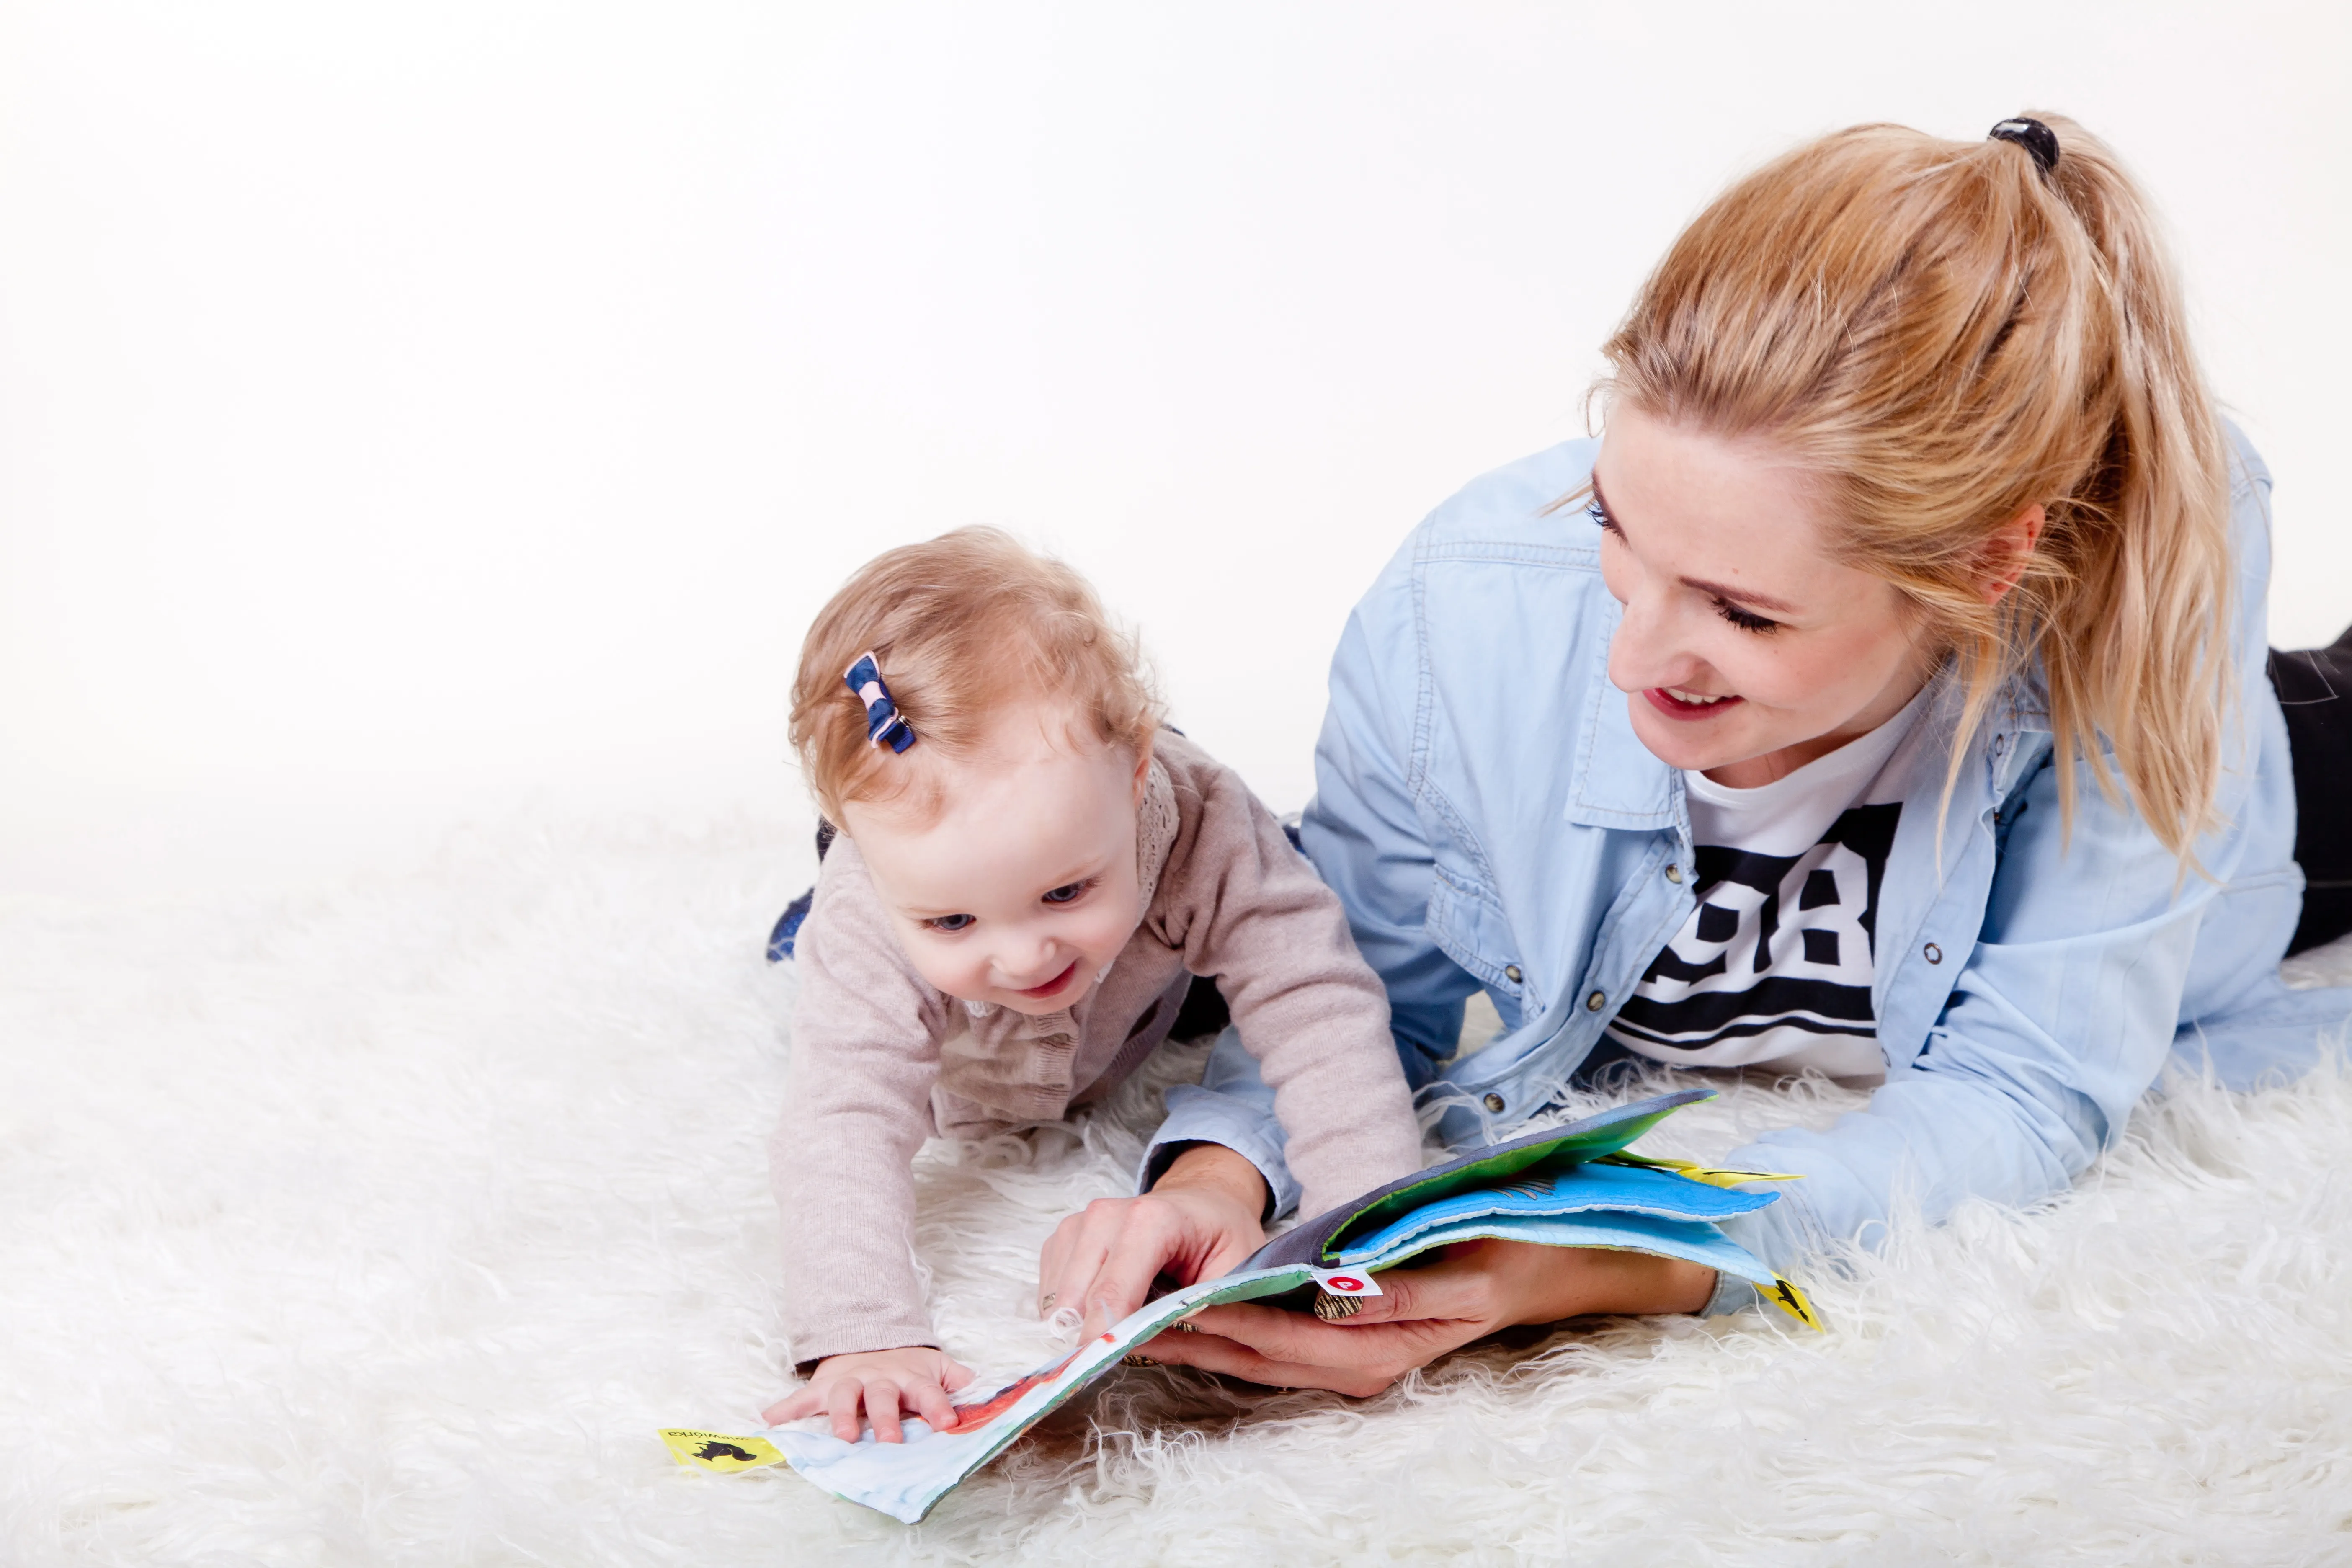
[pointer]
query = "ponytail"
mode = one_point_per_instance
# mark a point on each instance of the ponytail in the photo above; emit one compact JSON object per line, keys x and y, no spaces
{"x":1948,"y":333}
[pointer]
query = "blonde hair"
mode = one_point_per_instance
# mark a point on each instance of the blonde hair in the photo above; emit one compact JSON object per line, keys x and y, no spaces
{"x":961,"y":627}
{"x":1947,"y":335}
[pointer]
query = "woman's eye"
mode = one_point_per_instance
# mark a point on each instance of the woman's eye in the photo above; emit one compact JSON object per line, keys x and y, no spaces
{"x":1746,"y":620}
{"x":1068,"y":892}
{"x":949,"y":923}
{"x":1600,"y":516}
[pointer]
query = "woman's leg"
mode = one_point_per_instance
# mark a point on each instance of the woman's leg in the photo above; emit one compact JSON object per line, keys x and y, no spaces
{"x":2314,"y":689}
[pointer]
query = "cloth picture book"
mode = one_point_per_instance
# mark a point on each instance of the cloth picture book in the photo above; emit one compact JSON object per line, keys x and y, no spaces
{"x":1576,"y":1185}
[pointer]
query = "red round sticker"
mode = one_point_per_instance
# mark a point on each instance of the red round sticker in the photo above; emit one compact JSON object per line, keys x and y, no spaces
{"x":1342,"y":1282}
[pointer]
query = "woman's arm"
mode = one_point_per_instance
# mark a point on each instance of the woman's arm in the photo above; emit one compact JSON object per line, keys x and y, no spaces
{"x":1474,"y":1290}
{"x":1365,"y":834}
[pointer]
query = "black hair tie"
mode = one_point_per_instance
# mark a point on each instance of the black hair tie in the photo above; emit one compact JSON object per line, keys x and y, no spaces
{"x":2034,"y":136}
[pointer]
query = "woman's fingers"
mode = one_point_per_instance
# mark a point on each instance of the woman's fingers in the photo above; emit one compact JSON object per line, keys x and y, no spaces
{"x":1305,"y":1340}
{"x":1211,"y":1353}
{"x":1458,"y":1287}
{"x":1075,"y":1256}
{"x":1150,"y":1237}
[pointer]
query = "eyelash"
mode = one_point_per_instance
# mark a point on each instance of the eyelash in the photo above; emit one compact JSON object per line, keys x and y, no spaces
{"x":1076,"y":890}
{"x":1746,"y":620}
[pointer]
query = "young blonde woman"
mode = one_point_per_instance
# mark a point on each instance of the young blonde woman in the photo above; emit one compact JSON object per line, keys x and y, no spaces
{"x":1881,"y":693}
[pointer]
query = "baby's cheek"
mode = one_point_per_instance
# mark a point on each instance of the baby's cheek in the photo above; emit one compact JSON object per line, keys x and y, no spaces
{"x":1108,"y":934}
{"x":943,"y":970}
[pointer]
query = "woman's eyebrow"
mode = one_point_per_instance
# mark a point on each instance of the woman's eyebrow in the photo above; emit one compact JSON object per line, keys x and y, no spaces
{"x":1741,"y":595}
{"x":1721,"y":591}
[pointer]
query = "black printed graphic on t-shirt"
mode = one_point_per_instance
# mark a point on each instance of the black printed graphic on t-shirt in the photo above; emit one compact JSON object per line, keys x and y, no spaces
{"x":1779,"y":942}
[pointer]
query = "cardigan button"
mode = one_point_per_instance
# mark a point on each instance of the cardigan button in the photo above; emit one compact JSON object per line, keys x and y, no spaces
{"x":1597,"y":1001}
{"x":1511,"y":973}
{"x":1933,"y":953}
{"x":1493,"y":1102}
{"x":1674,"y":874}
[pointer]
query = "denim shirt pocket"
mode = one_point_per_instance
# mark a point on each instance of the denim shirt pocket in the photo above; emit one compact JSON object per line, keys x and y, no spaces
{"x":1470,"y":928}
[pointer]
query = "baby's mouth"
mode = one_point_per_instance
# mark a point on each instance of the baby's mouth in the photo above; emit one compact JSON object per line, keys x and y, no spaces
{"x":1053,"y":987}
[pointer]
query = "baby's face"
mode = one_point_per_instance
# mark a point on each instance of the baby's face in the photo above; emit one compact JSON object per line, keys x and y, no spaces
{"x":1023,"y":888}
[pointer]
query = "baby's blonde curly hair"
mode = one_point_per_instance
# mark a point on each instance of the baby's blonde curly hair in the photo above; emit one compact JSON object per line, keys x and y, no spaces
{"x":961,"y":626}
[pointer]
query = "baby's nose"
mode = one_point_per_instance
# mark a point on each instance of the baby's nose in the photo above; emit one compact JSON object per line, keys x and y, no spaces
{"x":1030,"y":963}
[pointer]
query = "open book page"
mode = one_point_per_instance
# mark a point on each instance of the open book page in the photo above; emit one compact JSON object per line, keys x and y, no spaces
{"x":1547,"y":1189}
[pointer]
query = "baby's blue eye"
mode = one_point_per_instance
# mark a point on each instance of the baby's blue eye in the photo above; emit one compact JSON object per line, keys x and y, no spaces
{"x":949,"y":923}
{"x":1066,"y":893}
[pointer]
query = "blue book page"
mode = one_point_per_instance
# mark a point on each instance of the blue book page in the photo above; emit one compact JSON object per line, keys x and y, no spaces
{"x":1580,"y":1188}
{"x":1694,"y":1241}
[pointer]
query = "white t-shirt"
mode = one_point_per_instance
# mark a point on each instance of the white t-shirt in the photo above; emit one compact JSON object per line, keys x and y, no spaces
{"x":1774,"y":967}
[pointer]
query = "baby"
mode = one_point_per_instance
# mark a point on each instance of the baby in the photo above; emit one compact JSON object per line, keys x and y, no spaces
{"x":1029,"y":873}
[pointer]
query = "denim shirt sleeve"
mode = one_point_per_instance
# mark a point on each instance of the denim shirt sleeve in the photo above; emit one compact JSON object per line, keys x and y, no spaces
{"x":1232,"y":1106}
{"x":1364,"y":829}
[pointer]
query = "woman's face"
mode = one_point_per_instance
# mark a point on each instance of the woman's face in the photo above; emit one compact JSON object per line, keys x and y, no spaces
{"x":1746,"y":651}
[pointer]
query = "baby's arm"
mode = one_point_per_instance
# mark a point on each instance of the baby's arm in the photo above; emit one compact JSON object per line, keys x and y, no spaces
{"x":1304,"y":1001}
{"x":914,"y":1377}
{"x":856,"y":1107}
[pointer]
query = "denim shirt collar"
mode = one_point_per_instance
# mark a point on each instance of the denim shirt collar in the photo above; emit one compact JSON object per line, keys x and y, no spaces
{"x":1618,"y":781}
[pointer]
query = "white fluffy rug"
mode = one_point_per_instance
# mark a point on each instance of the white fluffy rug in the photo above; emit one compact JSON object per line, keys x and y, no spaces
{"x":387,"y":1226}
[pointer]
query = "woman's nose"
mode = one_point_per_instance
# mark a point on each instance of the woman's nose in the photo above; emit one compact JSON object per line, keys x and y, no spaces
{"x":1646,"y":650}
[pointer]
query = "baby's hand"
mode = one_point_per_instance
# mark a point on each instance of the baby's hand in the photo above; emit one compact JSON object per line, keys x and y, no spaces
{"x":915,"y":1376}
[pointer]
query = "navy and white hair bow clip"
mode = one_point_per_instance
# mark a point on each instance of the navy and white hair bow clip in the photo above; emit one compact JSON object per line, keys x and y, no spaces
{"x":884,"y":726}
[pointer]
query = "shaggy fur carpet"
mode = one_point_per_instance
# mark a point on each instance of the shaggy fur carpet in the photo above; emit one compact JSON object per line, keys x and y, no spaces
{"x":386,"y":1226}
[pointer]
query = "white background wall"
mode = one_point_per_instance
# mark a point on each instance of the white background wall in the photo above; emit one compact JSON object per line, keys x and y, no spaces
{"x":412,"y":412}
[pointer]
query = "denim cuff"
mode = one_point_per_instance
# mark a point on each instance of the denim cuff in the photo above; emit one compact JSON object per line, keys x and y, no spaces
{"x":1731,"y":1294}
{"x":1203,"y":1116}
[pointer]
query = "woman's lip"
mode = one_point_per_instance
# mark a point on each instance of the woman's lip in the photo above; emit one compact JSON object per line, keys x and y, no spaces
{"x":1042,"y":992}
{"x":1675,"y":707}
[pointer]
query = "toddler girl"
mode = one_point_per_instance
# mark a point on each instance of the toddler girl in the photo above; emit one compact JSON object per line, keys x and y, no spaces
{"x":1029,"y":873}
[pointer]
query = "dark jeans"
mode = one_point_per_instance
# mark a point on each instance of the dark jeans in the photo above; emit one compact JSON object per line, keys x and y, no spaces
{"x":2315,"y":690}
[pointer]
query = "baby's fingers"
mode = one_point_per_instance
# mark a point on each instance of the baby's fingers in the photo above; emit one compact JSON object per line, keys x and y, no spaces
{"x":956,"y":1375}
{"x":931,"y":1402}
{"x":841,"y":1396}
{"x":882,"y":1409}
{"x":806,"y":1400}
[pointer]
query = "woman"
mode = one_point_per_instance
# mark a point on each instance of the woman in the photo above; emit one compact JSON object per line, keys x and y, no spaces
{"x":1883,"y":693}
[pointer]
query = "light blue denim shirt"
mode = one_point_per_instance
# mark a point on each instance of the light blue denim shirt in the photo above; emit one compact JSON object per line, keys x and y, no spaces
{"x":1489,"y":819}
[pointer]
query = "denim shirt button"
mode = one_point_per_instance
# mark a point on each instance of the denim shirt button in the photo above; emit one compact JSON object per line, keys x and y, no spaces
{"x":1597,"y":1001}
{"x":1933,"y":953}
{"x":1511,"y":973}
{"x":1493,"y":1102}
{"x":1674,"y":874}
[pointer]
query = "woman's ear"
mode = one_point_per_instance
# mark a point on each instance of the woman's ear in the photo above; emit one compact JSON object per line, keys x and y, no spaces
{"x":2008,"y":551}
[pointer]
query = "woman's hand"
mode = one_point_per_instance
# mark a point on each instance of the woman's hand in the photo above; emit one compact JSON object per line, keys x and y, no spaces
{"x":1477,"y":1287}
{"x":1197,"y":1222}
{"x":915,"y":1376}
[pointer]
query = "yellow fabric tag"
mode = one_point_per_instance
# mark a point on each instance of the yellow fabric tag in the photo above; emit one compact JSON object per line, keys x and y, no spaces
{"x":1713,"y":1176}
{"x":1791,"y":1301}
{"x":718,"y":1451}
